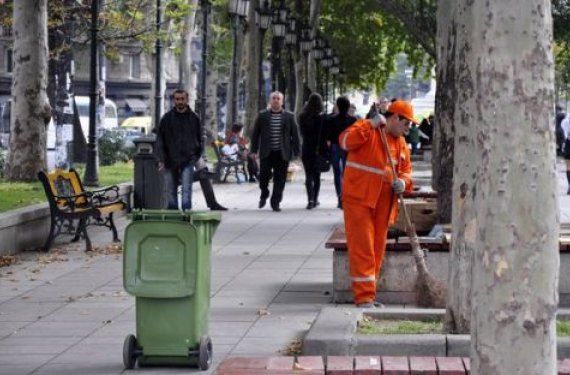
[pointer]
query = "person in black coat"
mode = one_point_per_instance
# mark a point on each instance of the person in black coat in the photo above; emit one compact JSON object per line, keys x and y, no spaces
{"x":275,"y":139}
{"x":311,"y":126}
{"x":179,"y":147}
{"x":336,"y":124}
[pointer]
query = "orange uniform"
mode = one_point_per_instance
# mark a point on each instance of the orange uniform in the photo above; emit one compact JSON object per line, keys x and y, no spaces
{"x":369,"y":203}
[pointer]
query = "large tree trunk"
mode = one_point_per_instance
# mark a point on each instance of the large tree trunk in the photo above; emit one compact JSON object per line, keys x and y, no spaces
{"x":189,"y":69}
{"x":212,"y":79}
{"x":446,"y":94}
{"x":458,"y":314}
{"x":314,"y":20}
{"x":516,"y":263}
{"x":31,"y":111}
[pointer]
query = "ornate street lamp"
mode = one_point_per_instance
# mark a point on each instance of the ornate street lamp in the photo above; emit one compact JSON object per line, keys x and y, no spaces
{"x":238,"y":12}
{"x":279,"y":25}
{"x":318,"y":54}
{"x":291,"y":42}
{"x":262,"y":20}
{"x":205,"y":6}
{"x":90,"y":178}
{"x":306,"y":43}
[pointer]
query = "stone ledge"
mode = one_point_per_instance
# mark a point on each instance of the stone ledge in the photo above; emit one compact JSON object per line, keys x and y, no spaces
{"x":334,"y":333}
{"x":27,"y":228}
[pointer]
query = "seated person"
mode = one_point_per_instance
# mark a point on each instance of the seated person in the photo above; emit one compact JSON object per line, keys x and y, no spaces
{"x":235,"y":143}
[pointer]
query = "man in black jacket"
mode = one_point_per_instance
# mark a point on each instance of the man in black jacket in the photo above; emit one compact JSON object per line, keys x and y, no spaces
{"x":179,"y":147}
{"x":275,"y":139}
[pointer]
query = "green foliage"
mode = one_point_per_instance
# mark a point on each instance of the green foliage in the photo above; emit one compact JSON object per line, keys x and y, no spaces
{"x":368,"y":41}
{"x":112,"y":149}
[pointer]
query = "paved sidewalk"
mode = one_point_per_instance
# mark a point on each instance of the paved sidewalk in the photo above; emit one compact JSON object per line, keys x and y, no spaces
{"x":66,"y":312}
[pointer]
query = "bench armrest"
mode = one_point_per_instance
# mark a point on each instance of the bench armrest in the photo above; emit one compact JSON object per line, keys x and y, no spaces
{"x":108,"y":194}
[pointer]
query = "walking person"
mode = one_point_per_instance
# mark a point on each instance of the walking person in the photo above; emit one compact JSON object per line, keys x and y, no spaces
{"x":179,"y":147}
{"x":336,"y":124}
{"x":275,"y":138}
{"x":370,"y":192}
{"x":311,"y":125}
{"x":565,"y":125}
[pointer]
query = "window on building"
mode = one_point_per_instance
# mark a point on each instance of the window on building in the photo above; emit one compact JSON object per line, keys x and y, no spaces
{"x":9,"y":60}
{"x":135,"y":66}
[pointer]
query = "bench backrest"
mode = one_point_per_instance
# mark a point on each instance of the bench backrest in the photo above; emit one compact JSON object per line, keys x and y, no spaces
{"x":64,"y":183}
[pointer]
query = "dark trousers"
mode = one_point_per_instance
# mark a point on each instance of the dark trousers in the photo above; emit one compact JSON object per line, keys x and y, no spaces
{"x":312,"y":178}
{"x":275,"y":166}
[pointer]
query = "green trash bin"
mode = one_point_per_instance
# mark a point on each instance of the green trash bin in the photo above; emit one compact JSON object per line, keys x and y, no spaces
{"x":166,"y":266}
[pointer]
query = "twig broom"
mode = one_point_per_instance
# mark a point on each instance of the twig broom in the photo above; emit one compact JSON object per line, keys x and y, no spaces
{"x":430,"y":292}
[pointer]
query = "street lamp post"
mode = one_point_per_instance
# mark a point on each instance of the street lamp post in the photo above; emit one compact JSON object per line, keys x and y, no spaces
{"x":306,"y":44}
{"x":318,"y":54}
{"x":279,"y":25}
{"x":326,"y":62}
{"x":262,"y":20}
{"x":90,"y":177}
{"x":205,"y":6}
{"x":291,"y":43}
{"x":238,"y":11}
{"x":158,"y":67}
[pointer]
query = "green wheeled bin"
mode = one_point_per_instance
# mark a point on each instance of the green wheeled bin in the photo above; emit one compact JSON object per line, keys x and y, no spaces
{"x":166,"y":266}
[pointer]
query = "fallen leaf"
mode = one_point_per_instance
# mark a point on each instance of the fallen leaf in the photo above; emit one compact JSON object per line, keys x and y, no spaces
{"x":263,"y":312}
{"x":297,"y":366}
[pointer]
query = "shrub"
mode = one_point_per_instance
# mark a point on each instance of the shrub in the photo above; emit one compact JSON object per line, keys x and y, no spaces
{"x":112,"y":149}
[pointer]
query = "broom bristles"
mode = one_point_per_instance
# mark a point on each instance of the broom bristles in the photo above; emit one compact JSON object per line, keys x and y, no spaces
{"x":430,"y":292}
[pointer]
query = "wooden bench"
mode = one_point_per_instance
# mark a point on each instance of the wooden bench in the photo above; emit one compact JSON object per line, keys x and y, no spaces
{"x":73,"y":209}
{"x":225,"y":165}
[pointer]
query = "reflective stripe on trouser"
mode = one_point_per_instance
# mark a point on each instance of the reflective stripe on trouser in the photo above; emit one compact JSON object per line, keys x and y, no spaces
{"x":366,"y":231}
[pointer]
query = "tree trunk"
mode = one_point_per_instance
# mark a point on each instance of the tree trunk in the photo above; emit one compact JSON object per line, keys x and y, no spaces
{"x":31,"y":111}
{"x":212,"y":79}
{"x":458,"y":314}
{"x":516,"y":262}
{"x":314,"y":20}
{"x":189,"y":70}
{"x":299,"y":80}
{"x":252,"y":67}
{"x":446,"y":94}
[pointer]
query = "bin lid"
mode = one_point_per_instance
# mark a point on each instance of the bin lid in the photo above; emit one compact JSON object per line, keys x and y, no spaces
{"x":174,"y":215}
{"x":160,"y":258}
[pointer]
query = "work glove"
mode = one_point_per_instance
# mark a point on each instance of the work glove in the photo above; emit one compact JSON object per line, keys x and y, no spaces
{"x":398,"y":186}
{"x":378,"y":120}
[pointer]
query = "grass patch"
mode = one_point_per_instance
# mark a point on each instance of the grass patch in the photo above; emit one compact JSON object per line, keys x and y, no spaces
{"x":20,"y":194}
{"x":369,"y":326}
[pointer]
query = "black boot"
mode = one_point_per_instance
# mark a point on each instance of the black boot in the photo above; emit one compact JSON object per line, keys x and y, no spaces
{"x":310,"y":196}
{"x":568,"y":178}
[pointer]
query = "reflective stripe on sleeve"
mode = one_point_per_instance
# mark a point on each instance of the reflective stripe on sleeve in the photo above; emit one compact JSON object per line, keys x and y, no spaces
{"x":362,"y":279}
{"x":366,"y":168}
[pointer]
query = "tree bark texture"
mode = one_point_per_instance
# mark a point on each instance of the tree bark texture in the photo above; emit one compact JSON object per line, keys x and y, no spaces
{"x":314,"y":21}
{"x":458,"y":314}
{"x":516,"y":263}
{"x":212,"y":80}
{"x":31,"y":111}
{"x":189,"y":68}
{"x":446,"y":94}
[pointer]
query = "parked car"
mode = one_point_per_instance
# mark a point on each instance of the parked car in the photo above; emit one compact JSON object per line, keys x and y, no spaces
{"x":142,"y":124}
{"x":127,"y":135}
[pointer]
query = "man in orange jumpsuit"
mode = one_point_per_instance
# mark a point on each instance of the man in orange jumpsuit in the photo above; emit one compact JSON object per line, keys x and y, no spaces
{"x":370,"y":192}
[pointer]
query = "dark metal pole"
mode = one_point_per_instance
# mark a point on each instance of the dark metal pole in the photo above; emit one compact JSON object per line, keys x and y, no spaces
{"x":234,"y":75}
{"x":158,"y":70}
{"x":326,"y":90}
{"x":90,"y":177}
{"x":261,"y":99}
{"x":205,"y":4}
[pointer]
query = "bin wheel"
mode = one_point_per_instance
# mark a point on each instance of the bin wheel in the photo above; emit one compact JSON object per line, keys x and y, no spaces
{"x":205,"y":353}
{"x":130,"y":352}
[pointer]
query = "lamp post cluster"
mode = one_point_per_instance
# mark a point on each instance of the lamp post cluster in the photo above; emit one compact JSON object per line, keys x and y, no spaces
{"x":296,"y":37}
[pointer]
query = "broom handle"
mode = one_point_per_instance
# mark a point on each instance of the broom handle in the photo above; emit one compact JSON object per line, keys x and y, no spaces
{"x":411,"y":229}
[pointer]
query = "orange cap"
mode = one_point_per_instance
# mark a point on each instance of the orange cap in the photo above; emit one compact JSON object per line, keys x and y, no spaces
{"x":404,"y":109}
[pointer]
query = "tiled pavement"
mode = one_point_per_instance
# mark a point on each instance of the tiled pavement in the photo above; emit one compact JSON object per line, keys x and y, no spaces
{"x":67,"y":313}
